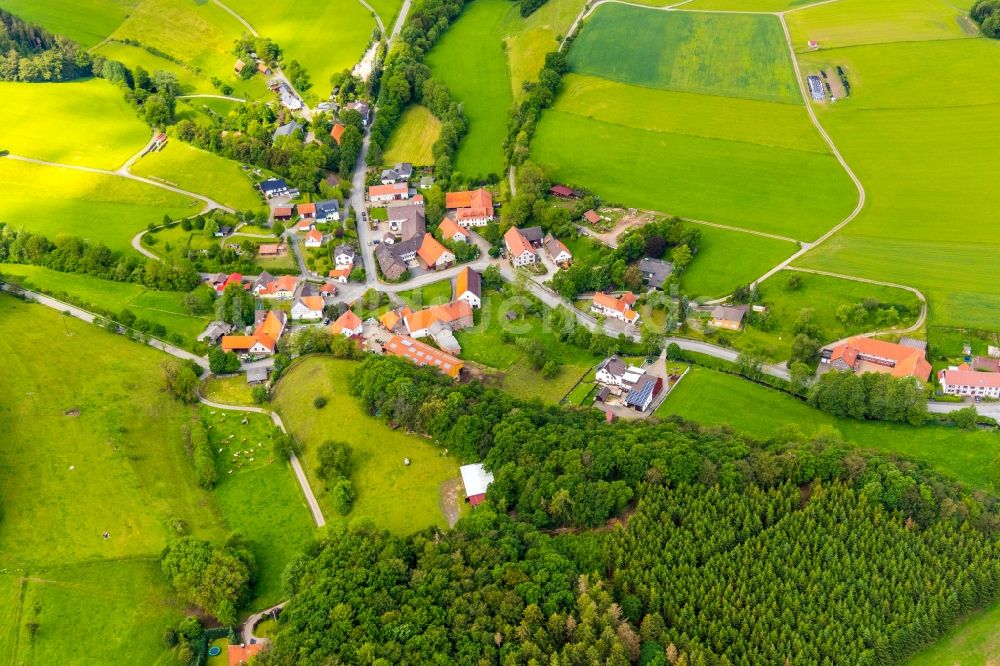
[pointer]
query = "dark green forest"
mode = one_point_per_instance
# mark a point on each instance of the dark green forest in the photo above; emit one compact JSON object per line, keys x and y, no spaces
{"x":651,"y":543}
{"x":30,"y":53}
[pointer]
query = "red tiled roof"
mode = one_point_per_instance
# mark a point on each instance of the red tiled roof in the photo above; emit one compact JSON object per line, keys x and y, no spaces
{"x":314,"y":303}
{"x":592,"y":217}
{"x":314,"y":236}
{"x":382,"y":190}
{"x":346,"y":322}
{"x":906,"y":361}
{"x":421,"y":354}
{"x":516,"y":243}
{"x":450,"y":227}
{"x":283,"y":211}
{"x":271,"y":327}
{"x":241,"y":654}
{"x":966,"y":376}
{"x":337,"y":132}
{"x":431,"y":250}
{"x":306,"y":209}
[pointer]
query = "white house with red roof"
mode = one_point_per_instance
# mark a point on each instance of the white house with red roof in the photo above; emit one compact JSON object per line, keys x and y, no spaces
{"x":308,"y":307}
{"x":381,"y":194}
{"x":472,"y":209}
{"x":348,"y":325}
{"x":616,"y":307}
{"x":450,"y":230}
{"x":967,"y":382}
{"x":314,"y":239}
{"x":519,"y":250}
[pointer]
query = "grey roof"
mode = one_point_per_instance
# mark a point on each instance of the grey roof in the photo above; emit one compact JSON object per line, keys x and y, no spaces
{"x":263,"y":279}
{"x":913,"y":343}
{"x":730,"y":312}
{"x":613,"y":365}
{"x":475,"y":282}
{"x":655,"y":271}
{"x":603,"y":394}
{"x":554,"y":246}
{"x":404,"y":169}
{"x":389,"y":174}
{"x":532,"y":234}
{"x":256,"y":374}
{"x":344,"y":249}
{"x":286,"y":130}
{"x":407,"y":246}
{"x":273,"y":185}
{"x":411,"y":219}
{"x":391,"y":266}
{"x":642,"y":391}
{"x":328,"y":206}
{"x":215,"y":330}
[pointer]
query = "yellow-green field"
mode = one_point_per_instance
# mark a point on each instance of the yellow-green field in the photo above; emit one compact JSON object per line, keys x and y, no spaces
{"x":84,"y":123}
{"x":133,"y":56}
{"x":396,"y":497}
{"x":414,"y":137}
{"x":84,"y":21}
{"x":726,"y":259}
{"x":196,"y":170}
{"x":107,"y":209}
{"x":325,"y":36}
{"x":528,"y":40}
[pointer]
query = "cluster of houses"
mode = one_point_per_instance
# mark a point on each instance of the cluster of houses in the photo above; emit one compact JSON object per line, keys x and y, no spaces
{"x":259,"y":65}
{"x":616,"y":307}
{"x":626,"y":384}
{"x":523,"y":247}
{"x":408,"y":240}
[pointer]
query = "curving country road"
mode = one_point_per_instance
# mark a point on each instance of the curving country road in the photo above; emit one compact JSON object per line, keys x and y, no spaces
{"x":300,"y":474}
{"x":225,"y":97}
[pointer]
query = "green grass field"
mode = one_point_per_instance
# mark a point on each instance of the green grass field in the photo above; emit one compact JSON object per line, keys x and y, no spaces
{"x":821,"y":295}
{"x":435,"y":293}
{"x":84,"y":21}
{"x":713,"y":398}
{"x":195,"y":170}
{"x":924,"y":166}
{"x":326,"y":37}
{"x":161,"y":307}
{"x":975,"y":642}
{"x":394,"y":497}
{"x":528,"y":40}
{"x":96,"y":438}
{"x":743,"y":184}
{"x":200,"y":34}
{"x":102,"y":209}
{"x":743,"y":5}
{"x":727,"y":259}
{"x":470,"y":60}
{"x":133,"y":56}
{"x":258,"y":496}
{"x":84,"y":123}
{"x":414,"y":137}
{"x":854,"y":22}
{"x":734,"y":55}
{"x":228,"y":390}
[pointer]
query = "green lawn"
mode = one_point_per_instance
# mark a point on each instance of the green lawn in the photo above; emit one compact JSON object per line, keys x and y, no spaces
{"x":393,"y":496}
{"x":325,"y":36}
{"x":104,"y":209}
{"x":975,"y":642}
{"x":822,"y":296}
{"x":82,"y":123}
{"x":196,"y":170}
{"x":854,"y":22}
{"x":727,"y":259}
{"x":258,"y":496}
{"x":160,"y":307}
{"x":924,"y":170}
{"x":84,"y":21}
{"x":435,"y":293}
{"x":741,"y":5}
{"x":713,"y":398}
{"x":414,"y":137}
{"x":228,"y":390}
{"x":734,"y":55}
{"x":95,"y":436}
{"x":132,"y":56}
{"x":529,"y":39}
{"x":470,"y":60}
{"x":174,"y":242}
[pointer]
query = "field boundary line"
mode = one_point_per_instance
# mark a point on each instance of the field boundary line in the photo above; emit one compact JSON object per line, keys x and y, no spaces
{"x":921,"y":318}
{"x":239,"y":18}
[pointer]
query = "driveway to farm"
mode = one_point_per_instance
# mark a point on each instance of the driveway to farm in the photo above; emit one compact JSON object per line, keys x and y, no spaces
{"x":300,"y":475}
{"x":246,"y":632}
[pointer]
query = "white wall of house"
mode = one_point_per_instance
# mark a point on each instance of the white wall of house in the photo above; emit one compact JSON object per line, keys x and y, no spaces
{"x":300,"y":311}
{"x":470,"y":298}
{"x":524,"y":259}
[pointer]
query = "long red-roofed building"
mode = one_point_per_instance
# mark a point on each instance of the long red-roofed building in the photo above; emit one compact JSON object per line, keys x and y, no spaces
{"x":421,"y":354}
{"x":861,"y":355}
{"x":966,"y":381}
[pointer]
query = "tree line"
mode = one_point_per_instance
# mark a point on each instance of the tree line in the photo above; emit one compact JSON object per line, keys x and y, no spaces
{"x":31,"y":53}
{"x":987,"y":14}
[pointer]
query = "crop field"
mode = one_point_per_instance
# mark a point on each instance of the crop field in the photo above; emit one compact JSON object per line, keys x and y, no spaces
{"x":84,"y":123}
{"x":742,"y":5}
{"x":196,"y":170}
{"x":200,"y":34}
{"x":393,"y":496}
{"x":84,"y":21}
{"x":821,"y":295}
{"x":97,"y":439}
{"x":734,"y":55}
{"x":924,"y":166}
{"x":414,"y":137}
{"x":470,"y":60}
{"x":133,"y":56}
{"x":727,"y":259}
{"x":975,"y":642}
{"x":528,"y":40}
{"x":161,"y":307}
{"x":762,"y":411}
{"x":258,"y":496}
{"x":105,"y":209}
{"x":855,"y":22}
{"x":325,"y":36}
{"x":732,"y":182}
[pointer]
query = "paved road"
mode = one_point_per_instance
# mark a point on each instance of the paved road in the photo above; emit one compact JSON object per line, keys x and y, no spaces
{"x":88,"y":317}
{"x":246,"y":632}
{"x":991,"y":409}
{"x":378,"y":19}
{"x":400,"y":21}
{"x":297,"y":250}
{"x":300,"y":475}
{"x":227,"y":97}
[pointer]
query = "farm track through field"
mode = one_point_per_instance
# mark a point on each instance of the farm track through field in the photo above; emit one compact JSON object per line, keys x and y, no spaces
{"x":225,"y":97}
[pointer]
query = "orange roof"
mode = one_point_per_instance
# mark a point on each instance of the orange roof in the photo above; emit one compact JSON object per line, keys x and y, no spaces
{"x":445,"y":314}
{"x":314,"y":235}
{"x":312,"y":302}
{"x":287,"y":283}
{"x":239,"y":65}
{"x":262,"y":68}
{"x":382,"y":190}
{"x":283,"y":211}
{"x":618,"y":304}
{"x":431,"y":250}
{"x":628,"y":298}
{"x":305,"y":224}
{"x":906,"y":361}
{"x":457,"y":199}
{"x":966,"y":376}
{"x":466,"y":282}
{"x":271,"y":327}
{"x":449,"y":228}
{"x":328,"y":288}
{"x":337,"y":132}
{"x":346,"y":322}
{"x":306,"y":209}
{"x":471,"y":204}
{"x":341,"y":272}
{"x":390,"y":319}
{"x":241,"y":654}
{"x":592,"y":217}
{"x":421,"y":354}
{"x":237,"y":342}
{"x":516,"y":243}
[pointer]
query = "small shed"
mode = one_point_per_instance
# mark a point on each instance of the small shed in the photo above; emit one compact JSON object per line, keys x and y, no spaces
{"x":256,"y":375}
{"x":476,"y":480}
